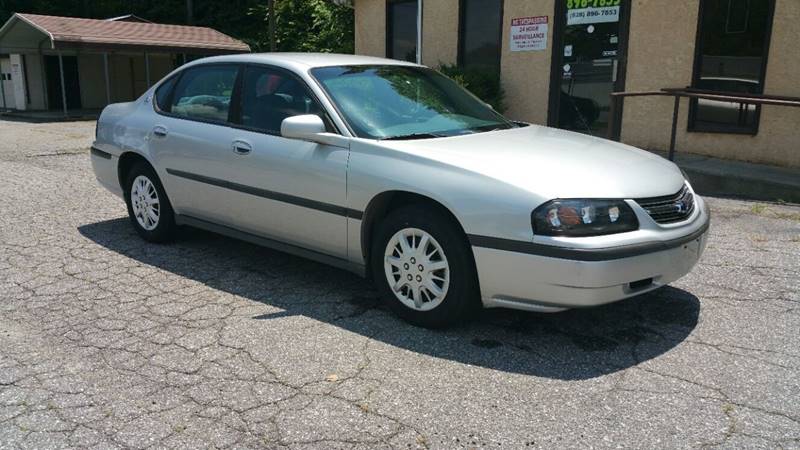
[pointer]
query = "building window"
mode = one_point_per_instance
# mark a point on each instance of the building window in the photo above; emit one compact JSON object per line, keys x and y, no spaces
{"x":480,"y":34}
{"x":732,"y":47}
{"x":401,"y":30}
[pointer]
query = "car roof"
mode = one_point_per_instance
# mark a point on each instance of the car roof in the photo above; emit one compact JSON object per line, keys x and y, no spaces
{"x":304,"y":61}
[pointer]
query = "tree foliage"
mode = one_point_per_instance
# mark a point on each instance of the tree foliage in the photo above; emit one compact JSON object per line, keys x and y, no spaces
{"x":308,"y":26}
{"x":301,"y":25}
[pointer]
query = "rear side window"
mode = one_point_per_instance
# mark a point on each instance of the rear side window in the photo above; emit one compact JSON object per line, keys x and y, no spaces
{"x":205,"y":92}
{"x":162,"y":94}
{"x":269,"y":96}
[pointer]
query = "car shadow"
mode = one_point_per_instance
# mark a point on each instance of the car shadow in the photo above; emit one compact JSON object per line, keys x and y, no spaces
{"x":572,"y":345}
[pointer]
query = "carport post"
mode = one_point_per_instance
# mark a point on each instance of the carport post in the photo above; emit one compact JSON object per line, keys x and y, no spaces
{"x":147,"y":68}
{"x":108,"y":79}
{"x":63,"y":85}
{"x":3,"y":90}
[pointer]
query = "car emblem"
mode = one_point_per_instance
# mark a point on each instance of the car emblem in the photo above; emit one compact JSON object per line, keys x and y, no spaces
{"x":680,"y":206}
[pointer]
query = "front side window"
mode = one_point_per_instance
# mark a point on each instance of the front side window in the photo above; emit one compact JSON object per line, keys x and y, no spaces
{"x":401,"y":30}
{"x":269,"y":96}
{"x":382,"y":102}
{"x":733,"y":43}
{"x":204,"y":93}
{"x":480,"y":34}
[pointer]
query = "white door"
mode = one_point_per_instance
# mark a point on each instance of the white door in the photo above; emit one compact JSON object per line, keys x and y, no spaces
{"x":190,"y":141}
{"x":7,"y":99}
{"x":290,"y":190}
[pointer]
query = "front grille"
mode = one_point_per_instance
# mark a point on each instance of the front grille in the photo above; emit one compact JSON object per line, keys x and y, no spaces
{"x":669,"y":208}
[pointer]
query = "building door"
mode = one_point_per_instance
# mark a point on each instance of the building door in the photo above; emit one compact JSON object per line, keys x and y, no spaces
{"x":7,"y":86}
{"x":588,"y":63}
{"x":73,"y":88}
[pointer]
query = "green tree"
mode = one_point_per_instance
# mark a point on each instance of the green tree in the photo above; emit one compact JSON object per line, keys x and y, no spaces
{"x":307,"y":26}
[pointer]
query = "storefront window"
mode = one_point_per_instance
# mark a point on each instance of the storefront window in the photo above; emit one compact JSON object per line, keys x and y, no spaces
{"x":401,"y":30}
{"x":733,"y":43}
{"x":480,"y":34}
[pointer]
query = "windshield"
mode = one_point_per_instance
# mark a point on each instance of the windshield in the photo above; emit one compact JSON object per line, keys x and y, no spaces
{"x":405,"y":102}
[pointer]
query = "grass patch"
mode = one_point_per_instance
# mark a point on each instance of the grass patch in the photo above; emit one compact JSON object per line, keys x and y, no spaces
{"x":758,"y":209}
{"x":788,"y":216}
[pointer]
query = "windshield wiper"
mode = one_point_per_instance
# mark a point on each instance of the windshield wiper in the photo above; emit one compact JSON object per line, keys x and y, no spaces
{"x":491,"y":127}
{"x":403,"y":137}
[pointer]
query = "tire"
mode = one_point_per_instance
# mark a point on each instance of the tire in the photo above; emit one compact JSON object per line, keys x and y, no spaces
{"x":143,"y":192}
{"x":420,"y":273}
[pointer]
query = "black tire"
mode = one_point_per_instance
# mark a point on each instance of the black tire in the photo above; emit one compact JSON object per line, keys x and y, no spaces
{"x":165,"y":226}
{"x":462,"y":298}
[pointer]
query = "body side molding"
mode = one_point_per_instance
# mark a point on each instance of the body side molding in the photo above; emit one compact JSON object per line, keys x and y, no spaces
{"x":277,"y":196}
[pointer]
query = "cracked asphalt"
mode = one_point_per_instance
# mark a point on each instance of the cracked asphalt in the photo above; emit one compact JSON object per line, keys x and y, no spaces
{"x":109,"y":342}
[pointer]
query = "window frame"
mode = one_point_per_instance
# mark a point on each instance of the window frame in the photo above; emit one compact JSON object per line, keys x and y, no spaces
{"x":461,"y":31}
{"x":697,"y":62}
{"x":235,"y":111}
{"x":178,"y":76}
{"x":390,"y":29}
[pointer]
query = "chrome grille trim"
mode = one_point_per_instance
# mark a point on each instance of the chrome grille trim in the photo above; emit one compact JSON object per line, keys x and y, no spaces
{"x":669,"y":208}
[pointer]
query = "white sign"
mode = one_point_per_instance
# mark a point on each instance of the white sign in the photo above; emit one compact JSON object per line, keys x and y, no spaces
{"x":603,"y":14}
{"x":529,"y":33}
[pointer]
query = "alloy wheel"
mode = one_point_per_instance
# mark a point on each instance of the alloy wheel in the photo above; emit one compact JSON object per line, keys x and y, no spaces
{"x":145,"y":203}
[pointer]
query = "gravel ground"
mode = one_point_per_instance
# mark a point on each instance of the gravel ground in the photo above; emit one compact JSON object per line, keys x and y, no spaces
{"x":108,"y":342}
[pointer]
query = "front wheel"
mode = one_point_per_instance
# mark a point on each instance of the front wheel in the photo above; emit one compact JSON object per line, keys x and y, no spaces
{"x":148,"y":206}
{"x":423,"y":267}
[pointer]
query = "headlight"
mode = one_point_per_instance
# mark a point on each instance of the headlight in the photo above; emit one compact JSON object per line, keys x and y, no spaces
{"x":583,"y":218}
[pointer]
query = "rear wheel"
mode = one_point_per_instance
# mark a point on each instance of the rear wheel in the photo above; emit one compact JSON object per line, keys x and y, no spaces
{"x":423,"y":267}
{"x":148,"y":206}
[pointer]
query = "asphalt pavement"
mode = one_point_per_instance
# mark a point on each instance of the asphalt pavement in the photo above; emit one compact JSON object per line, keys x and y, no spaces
{"x":109,"y":342}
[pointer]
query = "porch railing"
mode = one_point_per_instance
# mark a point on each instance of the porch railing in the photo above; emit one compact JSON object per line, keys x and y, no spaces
{"x":617,"y":99}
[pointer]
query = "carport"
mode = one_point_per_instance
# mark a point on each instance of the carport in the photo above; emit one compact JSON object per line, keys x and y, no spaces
{"x":69,"y":64}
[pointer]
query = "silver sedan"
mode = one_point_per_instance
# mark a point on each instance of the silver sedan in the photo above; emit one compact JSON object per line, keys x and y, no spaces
{"x":393,"y":171}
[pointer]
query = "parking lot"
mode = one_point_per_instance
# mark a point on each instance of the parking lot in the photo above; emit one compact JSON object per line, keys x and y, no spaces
{"x":109,"y":342}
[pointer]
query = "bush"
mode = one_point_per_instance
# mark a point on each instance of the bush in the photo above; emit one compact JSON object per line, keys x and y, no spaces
{"x":485,"y":84}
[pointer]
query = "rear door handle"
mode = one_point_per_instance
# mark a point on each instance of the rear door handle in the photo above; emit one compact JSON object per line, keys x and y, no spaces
{"x":241,"y":147}
{"x":159,"y":131}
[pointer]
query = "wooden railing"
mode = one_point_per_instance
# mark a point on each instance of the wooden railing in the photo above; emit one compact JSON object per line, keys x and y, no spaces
{"x":617,"y":99}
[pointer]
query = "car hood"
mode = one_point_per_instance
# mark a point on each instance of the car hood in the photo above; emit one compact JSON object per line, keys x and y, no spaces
{"x":553,"y":163}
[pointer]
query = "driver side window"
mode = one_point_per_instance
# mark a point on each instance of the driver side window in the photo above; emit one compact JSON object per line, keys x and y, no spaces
{"x":269,"y":96}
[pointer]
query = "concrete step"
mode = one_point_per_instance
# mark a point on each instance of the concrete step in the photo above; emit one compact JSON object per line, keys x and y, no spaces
{"x":726,"y":178}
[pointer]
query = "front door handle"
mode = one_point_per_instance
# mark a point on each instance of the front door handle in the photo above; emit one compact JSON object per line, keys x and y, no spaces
{"x":241,"y":147}
{"x":159,"y":131}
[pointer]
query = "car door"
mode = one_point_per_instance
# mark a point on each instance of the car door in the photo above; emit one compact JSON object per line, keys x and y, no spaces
{"x":190,"y":140}
{"x":286,"y":189}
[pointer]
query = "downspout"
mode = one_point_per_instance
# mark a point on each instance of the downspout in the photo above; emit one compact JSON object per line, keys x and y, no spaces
{"x":419,"y":31}
{"x":3,"y":86}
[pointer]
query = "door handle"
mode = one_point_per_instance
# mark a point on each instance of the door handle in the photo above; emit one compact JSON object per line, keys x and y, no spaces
{"x":241,"y":147}
{"x":615,"y":70}
{"x":159,"y":131}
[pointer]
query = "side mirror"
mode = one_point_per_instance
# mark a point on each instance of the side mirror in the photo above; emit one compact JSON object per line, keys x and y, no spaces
{"x":310,"y":127}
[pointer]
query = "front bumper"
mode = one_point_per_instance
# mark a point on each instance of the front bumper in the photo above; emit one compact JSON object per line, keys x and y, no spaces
{"x":554,"y":280}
